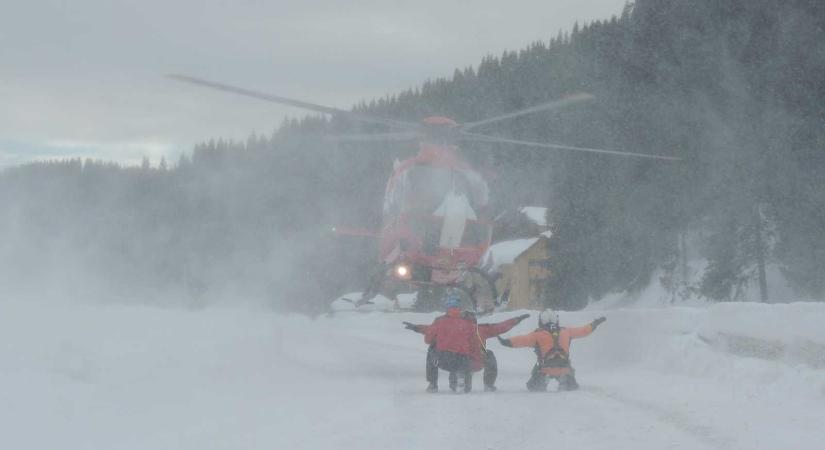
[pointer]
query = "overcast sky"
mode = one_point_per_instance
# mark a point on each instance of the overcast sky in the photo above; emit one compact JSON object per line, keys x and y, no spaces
{"x":84,"y":78}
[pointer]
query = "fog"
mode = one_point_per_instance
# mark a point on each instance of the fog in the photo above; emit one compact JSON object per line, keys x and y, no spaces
{"x":174,"y":272}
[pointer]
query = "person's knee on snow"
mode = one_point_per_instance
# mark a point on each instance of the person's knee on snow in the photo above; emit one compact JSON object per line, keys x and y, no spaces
{"x":568,"y":382}
{"x":537,"y":381}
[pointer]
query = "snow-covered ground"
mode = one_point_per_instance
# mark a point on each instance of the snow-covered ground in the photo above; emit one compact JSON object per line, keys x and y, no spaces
{"x":733,"y":376}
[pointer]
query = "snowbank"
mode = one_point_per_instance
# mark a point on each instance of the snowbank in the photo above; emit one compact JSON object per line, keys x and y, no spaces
{"x":656,"y":295}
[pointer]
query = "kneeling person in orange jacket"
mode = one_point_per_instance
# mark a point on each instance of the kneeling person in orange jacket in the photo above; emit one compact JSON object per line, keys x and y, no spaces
{"x":552,"y":345}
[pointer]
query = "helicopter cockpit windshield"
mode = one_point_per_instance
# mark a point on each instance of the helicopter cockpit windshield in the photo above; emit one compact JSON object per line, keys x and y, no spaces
{"x":425,"y":188}
{"x":440,"y":207}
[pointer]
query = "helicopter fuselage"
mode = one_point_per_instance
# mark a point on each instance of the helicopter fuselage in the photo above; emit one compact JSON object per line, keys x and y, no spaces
{"x":435,"y":220}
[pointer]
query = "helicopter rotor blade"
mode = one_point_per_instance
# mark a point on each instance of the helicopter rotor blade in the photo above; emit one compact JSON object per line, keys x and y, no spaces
{"x":380,"y":137}
{"x":292,"y":102}
{"x":555,"y":104}
{"x":494,"y":139}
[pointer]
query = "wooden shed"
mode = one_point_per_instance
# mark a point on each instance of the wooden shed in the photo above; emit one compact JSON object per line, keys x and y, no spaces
{"x":524,"y":269}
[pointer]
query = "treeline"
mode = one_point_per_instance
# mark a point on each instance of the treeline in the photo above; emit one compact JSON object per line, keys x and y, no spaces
{"x":734,"y":88}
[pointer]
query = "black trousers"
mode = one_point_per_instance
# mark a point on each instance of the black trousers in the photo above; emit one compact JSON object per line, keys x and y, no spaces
{"x":490,"y":368}
{"x":538,"y":381}
{"x":445,"y":361}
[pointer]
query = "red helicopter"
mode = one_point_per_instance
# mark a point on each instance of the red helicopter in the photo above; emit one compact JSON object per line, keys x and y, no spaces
{"x":436,"y":222}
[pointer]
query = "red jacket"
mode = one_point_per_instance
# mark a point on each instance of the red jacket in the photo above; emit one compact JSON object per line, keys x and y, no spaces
{"x":452,"y":332}
{"x":479,"y":333}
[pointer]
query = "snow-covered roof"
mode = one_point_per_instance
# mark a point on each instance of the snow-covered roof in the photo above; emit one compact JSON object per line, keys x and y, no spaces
{"x":506,"y":252}
{"x":536,"y":214}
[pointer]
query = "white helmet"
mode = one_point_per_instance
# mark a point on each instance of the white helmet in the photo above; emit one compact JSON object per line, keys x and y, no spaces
{"x":548,"y":317}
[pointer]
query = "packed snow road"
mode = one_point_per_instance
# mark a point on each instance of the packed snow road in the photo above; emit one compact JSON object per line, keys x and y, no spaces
{"x":89,"y":377}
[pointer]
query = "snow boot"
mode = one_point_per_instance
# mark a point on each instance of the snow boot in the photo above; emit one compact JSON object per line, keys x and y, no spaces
{"x":537,"y":381}
{"x":453,"y":381}
{"x":460,"y":387}
{"x":468,"y":382}
{"x":490,"y":371}
{"x":568,"y":382}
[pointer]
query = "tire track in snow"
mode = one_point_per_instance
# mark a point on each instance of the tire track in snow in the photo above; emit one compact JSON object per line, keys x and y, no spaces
{"x":524,"y":420}
{"x":702,"y":433}
{"x":800,"y":351}
{"x":358,"y":359}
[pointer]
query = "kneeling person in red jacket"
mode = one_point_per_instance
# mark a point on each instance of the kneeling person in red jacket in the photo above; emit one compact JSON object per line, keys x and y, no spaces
{"x":448,"y":351}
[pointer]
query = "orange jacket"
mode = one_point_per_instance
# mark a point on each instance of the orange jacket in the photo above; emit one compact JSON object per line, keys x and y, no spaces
{"x":542,"y":340}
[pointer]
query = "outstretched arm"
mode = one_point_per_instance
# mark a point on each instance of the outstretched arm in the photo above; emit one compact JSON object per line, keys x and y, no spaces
{"x":488,"y":330}
{"x":578,"y":332}
{"x":417,"y":328}
{"x":528,"y":340}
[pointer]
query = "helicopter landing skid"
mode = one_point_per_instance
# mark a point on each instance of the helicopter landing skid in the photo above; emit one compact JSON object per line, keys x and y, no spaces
{"x":358,"y":302}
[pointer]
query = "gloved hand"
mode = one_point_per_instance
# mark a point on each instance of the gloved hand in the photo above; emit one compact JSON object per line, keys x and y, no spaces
{"x":598,"y":322}
{"x":522,"y":317}
{"x":410,"y":326}
{"x":504,"y":342}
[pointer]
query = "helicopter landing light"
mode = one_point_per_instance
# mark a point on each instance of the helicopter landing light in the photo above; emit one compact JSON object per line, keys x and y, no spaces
{"x":402,"y":271}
